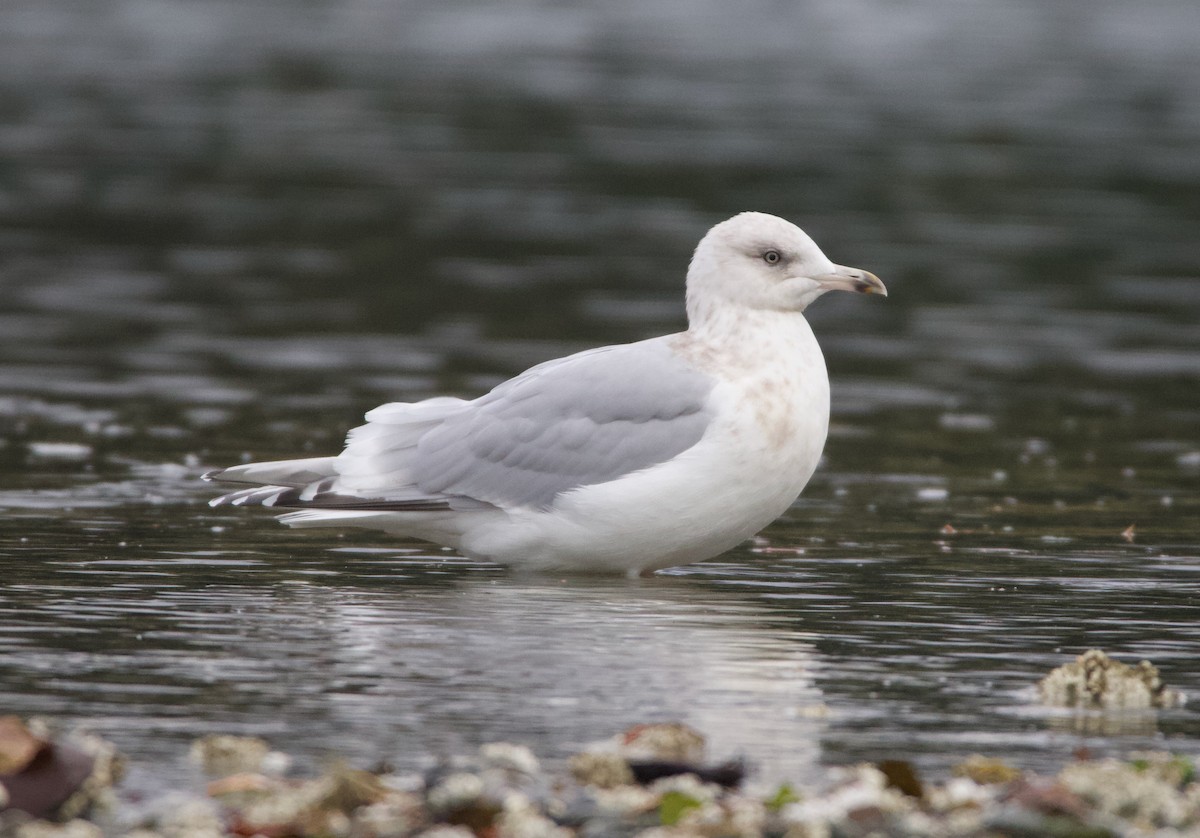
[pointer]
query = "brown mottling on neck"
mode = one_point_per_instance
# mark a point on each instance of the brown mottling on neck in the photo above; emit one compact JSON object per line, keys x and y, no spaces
{"x":773,"y":412}
{"x":734,"y":342}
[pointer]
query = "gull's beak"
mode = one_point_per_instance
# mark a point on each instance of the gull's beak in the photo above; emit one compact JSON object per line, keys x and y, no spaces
{"x":852,"y":279}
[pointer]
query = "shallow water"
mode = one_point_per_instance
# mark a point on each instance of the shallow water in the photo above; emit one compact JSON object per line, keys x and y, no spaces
{"x":227,"y":232}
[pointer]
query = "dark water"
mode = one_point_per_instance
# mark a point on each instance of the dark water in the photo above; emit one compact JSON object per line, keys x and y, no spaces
{"x":228,"y":229}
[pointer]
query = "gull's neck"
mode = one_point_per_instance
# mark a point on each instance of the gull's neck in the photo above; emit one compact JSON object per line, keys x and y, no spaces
{"x":747,"y":337}
{"x":727,"y":321}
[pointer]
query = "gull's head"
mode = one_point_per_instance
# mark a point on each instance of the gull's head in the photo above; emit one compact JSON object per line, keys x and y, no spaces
{"x":759,"y":261}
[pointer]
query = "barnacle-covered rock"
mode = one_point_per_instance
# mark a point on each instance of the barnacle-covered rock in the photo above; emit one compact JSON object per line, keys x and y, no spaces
{"x":1096,"y":681}
{"x":1149,"y":799}
{"x":859,"y":802}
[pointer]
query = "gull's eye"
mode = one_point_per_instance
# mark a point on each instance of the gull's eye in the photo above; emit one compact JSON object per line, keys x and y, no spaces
{"x":772,"y":257}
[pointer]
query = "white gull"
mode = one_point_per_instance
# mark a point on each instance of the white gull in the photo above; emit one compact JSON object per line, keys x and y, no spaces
{"x":622,"y":459}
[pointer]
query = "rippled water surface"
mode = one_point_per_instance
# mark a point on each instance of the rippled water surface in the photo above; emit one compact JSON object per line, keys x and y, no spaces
{"x":228,"y":229}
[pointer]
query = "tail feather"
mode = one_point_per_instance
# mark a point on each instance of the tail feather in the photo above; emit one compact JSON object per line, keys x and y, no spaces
{"x":262,"y":495}
{"x":370,"y":478}
{"x":294,"y":474}
{"x":323,"y":493}
{"x":328,"y":518}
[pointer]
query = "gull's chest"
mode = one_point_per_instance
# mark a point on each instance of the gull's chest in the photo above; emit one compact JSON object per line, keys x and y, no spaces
{"x":778,"y":396}
{"x":780,"y":411}
{"x":770,"y":406}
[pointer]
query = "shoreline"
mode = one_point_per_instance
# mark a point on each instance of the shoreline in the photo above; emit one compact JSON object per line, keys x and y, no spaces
{"x":651,"y":781}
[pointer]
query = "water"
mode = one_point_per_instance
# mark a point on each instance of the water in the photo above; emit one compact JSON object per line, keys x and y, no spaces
{"x":227,"y":231}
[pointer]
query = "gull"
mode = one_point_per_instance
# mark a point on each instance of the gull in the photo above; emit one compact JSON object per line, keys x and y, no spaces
{"x":622,"y":459}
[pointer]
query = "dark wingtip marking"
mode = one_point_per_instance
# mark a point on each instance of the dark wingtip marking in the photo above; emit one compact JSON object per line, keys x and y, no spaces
{"x":292,"y":499}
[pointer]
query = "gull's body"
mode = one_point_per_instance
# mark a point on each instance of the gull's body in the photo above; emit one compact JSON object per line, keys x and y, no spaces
{"x":622,"y":459}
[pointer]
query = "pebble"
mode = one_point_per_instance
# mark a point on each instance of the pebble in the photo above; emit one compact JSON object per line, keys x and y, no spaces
{"x":219,"y":755}
{"x":502,"y":792}
{"x":71,"y":829}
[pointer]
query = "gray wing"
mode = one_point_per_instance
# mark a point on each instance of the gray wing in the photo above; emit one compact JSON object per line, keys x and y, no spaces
{"x":585,"y":419}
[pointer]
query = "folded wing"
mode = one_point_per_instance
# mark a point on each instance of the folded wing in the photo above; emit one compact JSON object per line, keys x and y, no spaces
{"x":577,"y":421}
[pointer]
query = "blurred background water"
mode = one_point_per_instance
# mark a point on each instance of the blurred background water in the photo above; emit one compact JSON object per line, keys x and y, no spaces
{"x":229,"y":228}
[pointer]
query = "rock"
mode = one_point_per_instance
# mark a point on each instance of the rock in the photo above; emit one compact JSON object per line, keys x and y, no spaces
{"x":399,"y":815}
{"x":728,"y":774}
{"x":508,"y":757}
{"x":45,"y":778}
{"x":521,"y":819}
{"x":18,"y":745}
{"x":1148,"y":799}
{"x":602,"y":769}
{"x":624,"y":802}
{"x":463,"y":799}
{"x":220,"y":755}
{"x":447,"y":832}
{"x":502,"y":792}
{"x":240,"y":784}
{"x":960,"y":793}
{"x":71,"y":829}
{"x":189,"y":818}
{"x":96,"y":791}
{"x":859,"y":802}
{"x":670,"y":741}
{"x":1047,"y":797}
{"x":1096,"y":681}
{"x":986,"y":770}
{"x":902,"y":776}
{"x":350,"y":788}
{"x":322,"y":806}
{"x":1173,"y":769}
{"x":645,"y":753}
{"x":454,"y":792}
